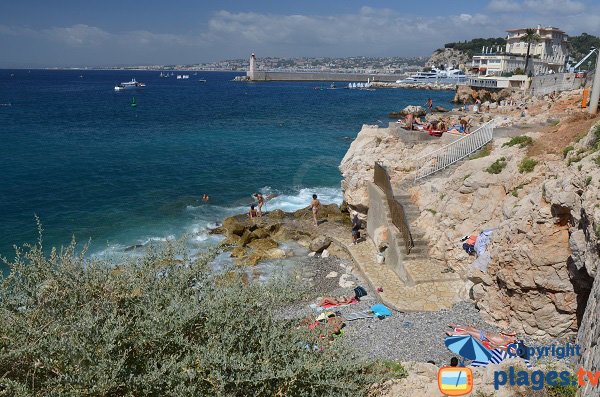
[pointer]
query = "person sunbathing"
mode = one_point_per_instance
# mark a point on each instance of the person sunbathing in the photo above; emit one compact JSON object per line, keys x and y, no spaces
{"x":495,"y":340}
{"x":341,"y":300}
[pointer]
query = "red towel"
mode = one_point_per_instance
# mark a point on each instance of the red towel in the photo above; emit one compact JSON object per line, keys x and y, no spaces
{"x":328,"y":305}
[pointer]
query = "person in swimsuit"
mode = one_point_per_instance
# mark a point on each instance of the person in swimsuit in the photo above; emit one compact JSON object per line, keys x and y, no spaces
{"x":205,"y":197}
{"x":355,"y":229}
{"x":493,"y":339}
{"x":315,"y":204}
{"x":261,"y":201}
{"x":252,"y":213}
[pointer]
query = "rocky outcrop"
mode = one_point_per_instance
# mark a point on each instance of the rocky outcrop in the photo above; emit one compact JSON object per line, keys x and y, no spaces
{"x":416,"y":111}
{"x":447,"y":57}
{"x":371,"y":144}
{"x":544,"y":246}
{"x":467,"y":94}
{"x":253,"y":240}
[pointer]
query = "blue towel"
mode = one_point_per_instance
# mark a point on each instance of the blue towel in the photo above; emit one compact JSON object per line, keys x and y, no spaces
{"x":380,"y":310}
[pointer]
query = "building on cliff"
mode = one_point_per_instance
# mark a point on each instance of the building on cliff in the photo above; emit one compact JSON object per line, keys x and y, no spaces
{"x":548,"y":55}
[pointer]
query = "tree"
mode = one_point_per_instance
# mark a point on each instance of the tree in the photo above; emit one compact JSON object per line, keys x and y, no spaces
{"x":529,"y":37}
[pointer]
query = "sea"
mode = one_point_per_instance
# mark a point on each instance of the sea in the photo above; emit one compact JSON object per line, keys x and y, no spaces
{"x":88,"y":164}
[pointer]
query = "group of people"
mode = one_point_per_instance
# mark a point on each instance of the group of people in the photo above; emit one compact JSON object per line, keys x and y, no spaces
{"x":256,"y":208}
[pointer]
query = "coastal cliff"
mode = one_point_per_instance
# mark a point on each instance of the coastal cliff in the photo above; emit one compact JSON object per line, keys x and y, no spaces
{"x":541,"y":205}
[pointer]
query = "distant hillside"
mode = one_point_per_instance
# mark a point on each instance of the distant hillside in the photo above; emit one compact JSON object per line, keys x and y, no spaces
{"x":474,"y":46}
{"x":581,"y":45}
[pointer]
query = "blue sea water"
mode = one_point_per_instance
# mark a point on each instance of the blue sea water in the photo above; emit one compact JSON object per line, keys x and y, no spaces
{"x":76,"y":153}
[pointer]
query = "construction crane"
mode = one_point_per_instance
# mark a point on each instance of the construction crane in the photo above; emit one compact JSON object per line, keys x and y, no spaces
{"x":578,"y":64}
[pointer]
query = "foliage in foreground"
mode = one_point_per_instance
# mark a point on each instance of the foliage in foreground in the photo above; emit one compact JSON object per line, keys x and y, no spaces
{"x":527,"y":165}
{"x":521,"y":140}
{"x":154,"y":327}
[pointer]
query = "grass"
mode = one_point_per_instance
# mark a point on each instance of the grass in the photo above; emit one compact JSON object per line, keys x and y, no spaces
{"x":497,"y":166}
{"x":431,"y":210}
{"x":588,"y":180}
{"x":393,"y":369}
{"x":515,"y":191}
{"x":597,"y":160}
{"x":483,"y":152}
{"x":521,"y":140}
{"x":527,"y":165}
{"x":574,"y":159}
{"x":567,"y":150}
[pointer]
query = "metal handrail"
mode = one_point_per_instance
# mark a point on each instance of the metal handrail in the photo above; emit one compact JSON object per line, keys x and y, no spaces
{"x":382,"y":180}
{"x":449,"y":154}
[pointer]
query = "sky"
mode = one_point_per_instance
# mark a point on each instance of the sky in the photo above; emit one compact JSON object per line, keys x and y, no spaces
{"x":63,"y":33}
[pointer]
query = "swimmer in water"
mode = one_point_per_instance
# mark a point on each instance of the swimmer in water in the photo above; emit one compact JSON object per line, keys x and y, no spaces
{"x":205,"y":198}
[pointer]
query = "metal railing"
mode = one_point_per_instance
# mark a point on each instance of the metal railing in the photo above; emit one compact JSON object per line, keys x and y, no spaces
{"x":455,"y":151}
{"x":382,"y":180}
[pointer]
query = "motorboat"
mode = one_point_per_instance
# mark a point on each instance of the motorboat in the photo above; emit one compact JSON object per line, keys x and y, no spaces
{"x":129,"y":85}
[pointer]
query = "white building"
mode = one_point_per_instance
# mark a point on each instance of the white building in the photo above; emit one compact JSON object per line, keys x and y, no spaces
{"x":549,"y":55}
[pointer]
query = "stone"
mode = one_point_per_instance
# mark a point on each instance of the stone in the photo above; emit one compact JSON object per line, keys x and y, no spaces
{"x":320,"y":243}
{"x":234,"y":225}
{"x":238,"y":252}
{"x":345,"y":281}
{"x":263,"y":244}
{"x":325,"y":254}
{"x":381,"y":237}
{"x":276,"y":214}
{"x":331,"y":274}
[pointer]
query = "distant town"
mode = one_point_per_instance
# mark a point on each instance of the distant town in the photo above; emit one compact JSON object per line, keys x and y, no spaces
{"x":367,"y":65}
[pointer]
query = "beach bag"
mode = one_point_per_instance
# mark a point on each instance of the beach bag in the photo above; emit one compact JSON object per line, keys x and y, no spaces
{"x":359,"y":292}
{"x":381,"y":311}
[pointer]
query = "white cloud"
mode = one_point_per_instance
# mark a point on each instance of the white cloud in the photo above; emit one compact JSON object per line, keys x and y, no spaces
{"x":227,"y":34}
{"x":78,"y":35}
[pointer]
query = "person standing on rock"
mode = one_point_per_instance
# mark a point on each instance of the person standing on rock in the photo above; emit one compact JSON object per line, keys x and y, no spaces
{"x":315,"y":205}
{"x":429,"y":105}
{"x":355,"y":229}
{"x":261,"y":201}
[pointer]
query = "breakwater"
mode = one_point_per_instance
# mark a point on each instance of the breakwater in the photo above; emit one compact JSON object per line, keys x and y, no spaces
{"x":317,"y":76}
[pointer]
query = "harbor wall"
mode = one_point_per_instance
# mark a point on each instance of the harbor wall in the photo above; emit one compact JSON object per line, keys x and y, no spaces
{"x":325,"y":76}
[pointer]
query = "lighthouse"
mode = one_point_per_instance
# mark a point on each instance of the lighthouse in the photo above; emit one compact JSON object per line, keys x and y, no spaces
{"x":252,"y":67}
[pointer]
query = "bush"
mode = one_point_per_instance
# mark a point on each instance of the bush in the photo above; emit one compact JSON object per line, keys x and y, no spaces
{"x":527,"y":165}
{"x":521,"y":140}
{"x":567,"y":150}
{"x":497,"y":166}
{"x":161,"y":325}
{"x":483,"y":152}
{"x":518,"y":71}
{"x":597,"y":160}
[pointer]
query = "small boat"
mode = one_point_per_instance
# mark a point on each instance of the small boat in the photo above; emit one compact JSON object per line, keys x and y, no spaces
{"x":202,"y":80}
{"x":129,"y":85}
{"x":133,"y":103}
{"x":178,"y":77}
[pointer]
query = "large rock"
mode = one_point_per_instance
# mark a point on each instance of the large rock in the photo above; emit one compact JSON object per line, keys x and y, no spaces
{"x":320,"y":243}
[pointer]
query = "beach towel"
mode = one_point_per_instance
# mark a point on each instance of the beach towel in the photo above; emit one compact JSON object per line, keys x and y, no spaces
{"x":359,"y":315}
{"x":328,"y":305}
{"x":381,"y":310}
{"x":483,"y":257}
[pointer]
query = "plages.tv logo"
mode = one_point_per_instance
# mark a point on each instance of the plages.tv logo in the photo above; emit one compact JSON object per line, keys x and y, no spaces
{"x":455,"y":381}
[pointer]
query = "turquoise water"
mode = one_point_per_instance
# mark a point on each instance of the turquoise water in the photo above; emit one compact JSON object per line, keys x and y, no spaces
{"x":84,"y":160}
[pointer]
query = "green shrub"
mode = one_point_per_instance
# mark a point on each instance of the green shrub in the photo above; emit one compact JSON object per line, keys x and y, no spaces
{"x":527,"y":165}
{"x":161,"y":325}
{"x":521,"y":140}
{"x":431,"y":210}
{"x":497,"y":166}
{"x":483,"y":152}
{"x":573,"y":159}
{"x":567,"y":150}
{"x":588,"y":180}
{"x":558,"y":390}
{"x":597,"y":160}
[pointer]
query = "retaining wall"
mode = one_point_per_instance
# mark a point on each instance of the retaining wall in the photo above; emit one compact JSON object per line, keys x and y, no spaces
{"x":379,"y":215}
{"x":325,"y":76}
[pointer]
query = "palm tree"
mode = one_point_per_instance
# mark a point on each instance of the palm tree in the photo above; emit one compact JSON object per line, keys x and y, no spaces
{"x":529,"y":37}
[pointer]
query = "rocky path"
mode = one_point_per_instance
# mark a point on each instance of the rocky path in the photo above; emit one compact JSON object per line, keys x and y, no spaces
{"x":433,"y":291}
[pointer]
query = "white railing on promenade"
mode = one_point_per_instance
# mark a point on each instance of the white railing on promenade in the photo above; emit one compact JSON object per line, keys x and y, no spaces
{"x":453,"y":152}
